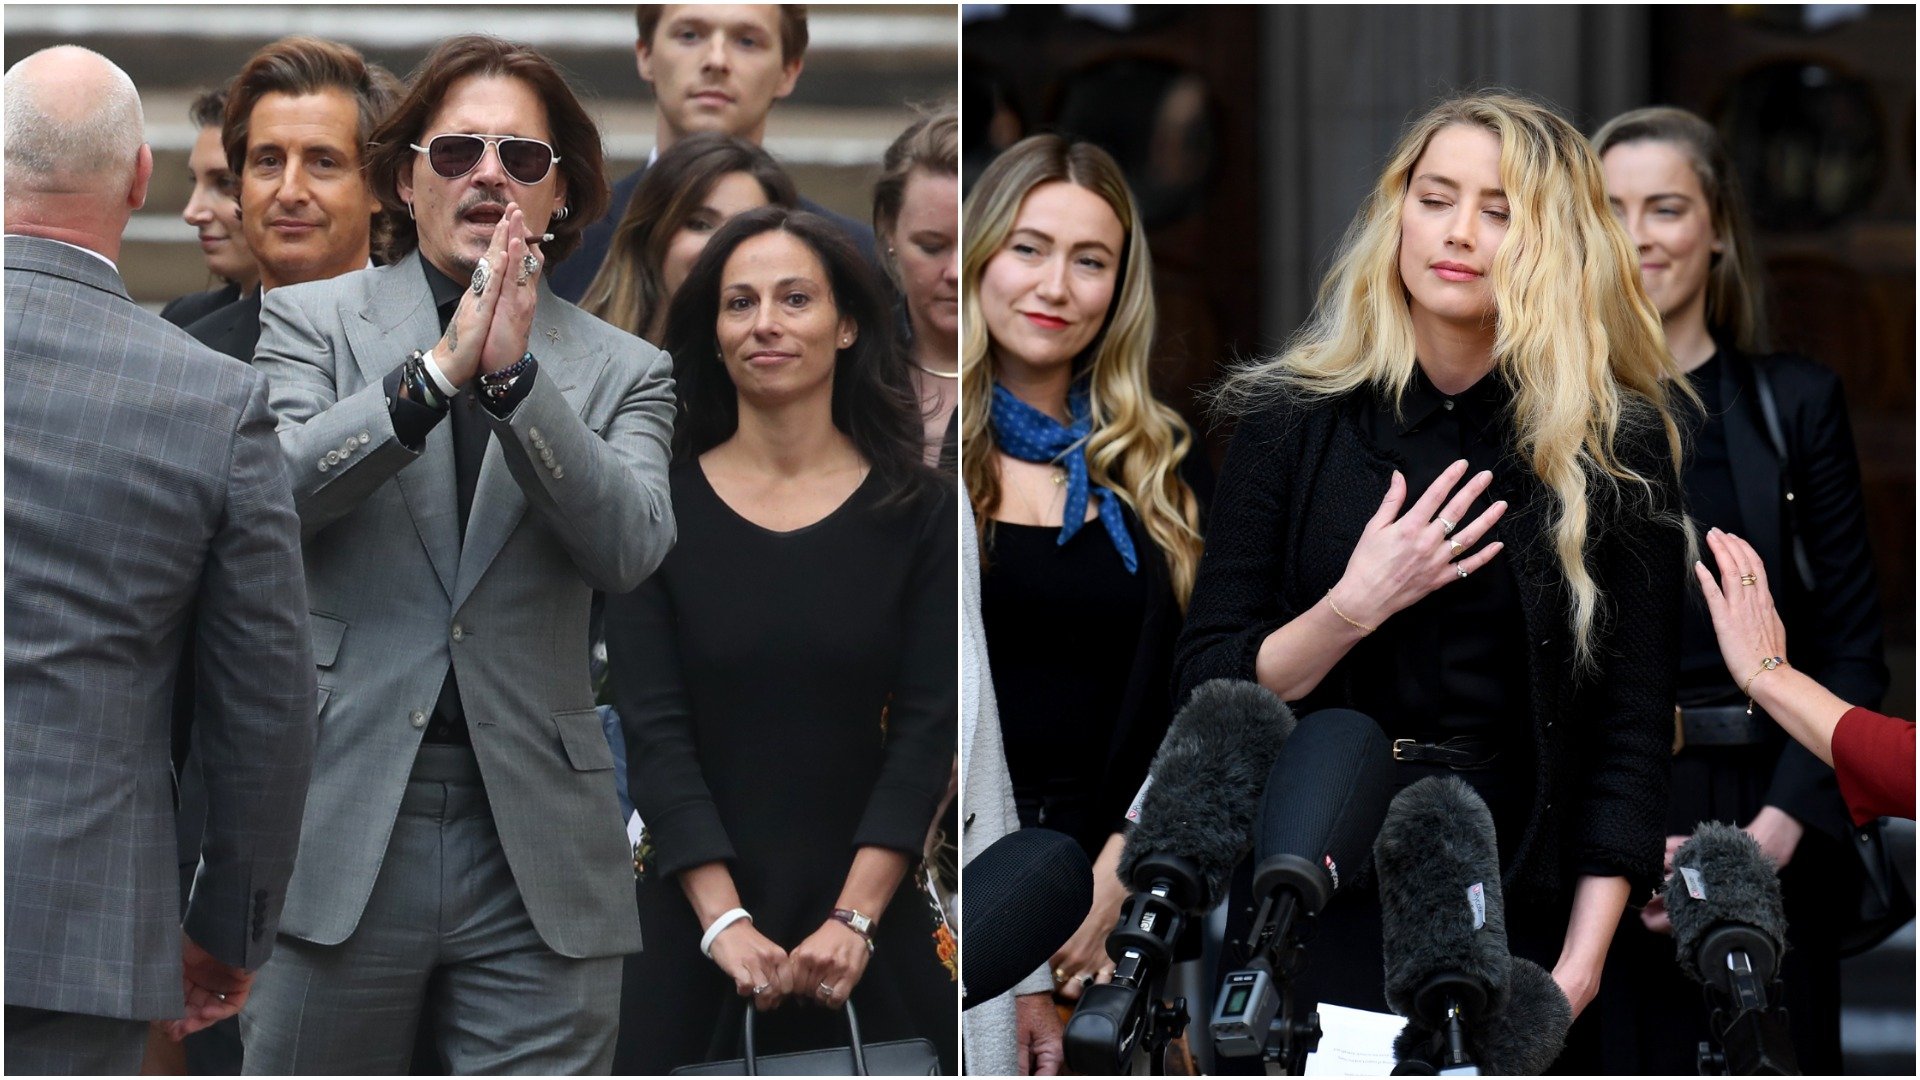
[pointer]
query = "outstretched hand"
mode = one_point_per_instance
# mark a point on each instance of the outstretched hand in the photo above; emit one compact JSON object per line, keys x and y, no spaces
{"x":1402,"y":557}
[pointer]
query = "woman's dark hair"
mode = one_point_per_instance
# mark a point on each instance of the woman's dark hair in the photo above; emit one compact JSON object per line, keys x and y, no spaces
{"x":873,"y":401}
{"x":575,"y":138}
{"x":629,"y":291}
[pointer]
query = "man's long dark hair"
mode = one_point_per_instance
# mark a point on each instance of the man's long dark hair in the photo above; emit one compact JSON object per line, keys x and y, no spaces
{"x":874,"y":403}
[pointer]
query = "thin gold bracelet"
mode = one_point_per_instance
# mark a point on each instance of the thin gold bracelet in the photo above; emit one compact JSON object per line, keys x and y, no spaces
{"x":1363,"y":628}
{"x":1766,"y":664}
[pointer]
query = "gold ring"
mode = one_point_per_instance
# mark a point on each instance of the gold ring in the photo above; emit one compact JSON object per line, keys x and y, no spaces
{"x":1748,"y":579}
{"x":1059,"y":975}
{"x":1455,"y":546}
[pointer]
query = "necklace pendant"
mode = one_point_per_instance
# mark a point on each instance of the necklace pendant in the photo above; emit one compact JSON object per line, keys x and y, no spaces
{"x":1059,"y":476}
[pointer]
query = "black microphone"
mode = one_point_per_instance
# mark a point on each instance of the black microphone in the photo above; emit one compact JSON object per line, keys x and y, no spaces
{"x":1729,"y":932}
{"x":1193,"y":823}
{"x":1443,"y":926}
{"x":1204,"y":789}
{"x":1025,"y":896}
{"x":1325,"y":799}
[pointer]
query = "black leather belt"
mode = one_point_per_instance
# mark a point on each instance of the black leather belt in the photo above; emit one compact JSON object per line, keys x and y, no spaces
{"x":1461,"y":752}
{"x":1719,"y":725}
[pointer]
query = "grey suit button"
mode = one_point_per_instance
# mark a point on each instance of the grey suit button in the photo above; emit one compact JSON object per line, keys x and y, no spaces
{"x":323,"y":466}
{"x":534,"y":433}
{"x":559,"y":473}
{"x":459,"y":632}
{"x":546,"y":455}
{"x":349,"y":446}
{"x":365,"y":438}
{"x":333,"y":457}
{"x":418,"y":718}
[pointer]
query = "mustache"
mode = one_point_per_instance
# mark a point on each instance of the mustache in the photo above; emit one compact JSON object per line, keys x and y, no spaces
{"x":479,"y":199}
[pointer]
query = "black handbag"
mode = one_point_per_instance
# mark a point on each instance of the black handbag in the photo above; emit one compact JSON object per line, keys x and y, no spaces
{"x":900,"y":1057}
{"x":1886,"y":887}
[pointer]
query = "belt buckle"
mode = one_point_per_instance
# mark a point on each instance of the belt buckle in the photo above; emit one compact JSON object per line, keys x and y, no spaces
{"x":1679,"y":730}
{"x":1397,"y":745}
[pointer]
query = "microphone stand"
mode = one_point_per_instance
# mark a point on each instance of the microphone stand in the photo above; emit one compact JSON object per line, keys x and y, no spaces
{"x":1253,"y":1013}
{"x":1128,"y":1014}
{"x":1752,"y":1036}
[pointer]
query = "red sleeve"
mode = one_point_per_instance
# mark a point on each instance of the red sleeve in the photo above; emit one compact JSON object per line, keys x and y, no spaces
{"x":1873,"y":757}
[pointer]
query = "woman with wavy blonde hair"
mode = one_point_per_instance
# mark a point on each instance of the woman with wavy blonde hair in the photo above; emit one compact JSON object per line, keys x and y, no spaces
{"x":1451,"y":504}
{"x":1089,"y":532}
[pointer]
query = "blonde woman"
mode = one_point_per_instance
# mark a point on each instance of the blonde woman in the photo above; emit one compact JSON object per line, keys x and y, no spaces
{"x":1089,"y":533}
{"x":1451,"y":504}
{"x":1772,"y":458}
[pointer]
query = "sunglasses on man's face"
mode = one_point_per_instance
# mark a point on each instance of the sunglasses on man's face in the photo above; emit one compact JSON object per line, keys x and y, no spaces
{"x":527,"y":161}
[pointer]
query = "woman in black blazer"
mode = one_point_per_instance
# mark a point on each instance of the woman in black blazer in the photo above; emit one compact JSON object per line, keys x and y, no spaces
{"x":1772,"y":460}
{"x":1452,"y":505}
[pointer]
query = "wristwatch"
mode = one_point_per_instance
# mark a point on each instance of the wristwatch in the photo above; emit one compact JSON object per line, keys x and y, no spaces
{"x":858,"y":923}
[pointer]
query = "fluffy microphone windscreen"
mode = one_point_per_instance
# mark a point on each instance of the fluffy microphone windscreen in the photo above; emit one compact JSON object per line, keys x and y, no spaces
{"x":1529,"y":1034}
{"x":1721,"y":878}
{"x":1327,"y":795}
{"x":1025,"y":896}
{"x":1440,"y":901}
{"x":1205,"y":782}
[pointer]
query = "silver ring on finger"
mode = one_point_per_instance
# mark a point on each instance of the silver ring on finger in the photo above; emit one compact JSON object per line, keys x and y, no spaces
{"x":529,"y":266}
{"x":1461,"y":570}
{"x":761,"y":989}
{"x":482,"y":273}
{"x":826,"y":992}
{"x":1446,"y":527}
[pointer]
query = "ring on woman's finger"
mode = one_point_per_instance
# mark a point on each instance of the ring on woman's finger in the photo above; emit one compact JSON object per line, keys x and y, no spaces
{"x":1748,"y":579}
{"x":1059,"y":975}
{"x":1446,"y":527}
{"x":1086,"y":980}
{"x":826,"y":992}
{"x":1461,"y":570}
{"x":761,"y":989}
{"x":1455,"y":547}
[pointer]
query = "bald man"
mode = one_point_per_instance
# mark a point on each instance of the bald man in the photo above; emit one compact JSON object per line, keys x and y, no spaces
{"x":147,"y":506}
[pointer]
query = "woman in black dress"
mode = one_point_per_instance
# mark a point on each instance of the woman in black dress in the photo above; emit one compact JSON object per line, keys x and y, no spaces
{"x":786,"y":677}
{"x":1799,"y":500}
{"x":1088,"y":532}
{"x":1452,"y":505}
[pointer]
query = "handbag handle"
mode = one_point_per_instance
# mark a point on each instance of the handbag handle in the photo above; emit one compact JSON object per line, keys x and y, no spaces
{"x":853,"y":1032}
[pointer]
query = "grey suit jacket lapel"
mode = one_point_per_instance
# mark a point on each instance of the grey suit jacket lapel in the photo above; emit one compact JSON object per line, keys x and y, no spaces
{"x":498,"y":503}
{"x":398,"y":318}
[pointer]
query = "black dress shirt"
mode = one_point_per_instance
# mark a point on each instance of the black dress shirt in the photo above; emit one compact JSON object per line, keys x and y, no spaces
{"x":1711,"y":500}
{"x":1445,"y":666}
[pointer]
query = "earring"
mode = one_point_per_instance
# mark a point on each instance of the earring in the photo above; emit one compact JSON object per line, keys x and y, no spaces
{"x":560,"y":214}
{"x":410,"y":216}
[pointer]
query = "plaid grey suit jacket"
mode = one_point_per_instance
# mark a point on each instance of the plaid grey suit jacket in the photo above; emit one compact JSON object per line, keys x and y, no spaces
{"x":571,"y":497}
{"x":146,"y":503}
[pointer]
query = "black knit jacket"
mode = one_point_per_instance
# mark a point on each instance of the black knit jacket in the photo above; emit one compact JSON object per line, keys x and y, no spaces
{"x":1300,"y":483}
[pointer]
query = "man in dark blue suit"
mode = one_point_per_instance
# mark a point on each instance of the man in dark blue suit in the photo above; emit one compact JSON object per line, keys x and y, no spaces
{"x":713,"y":67}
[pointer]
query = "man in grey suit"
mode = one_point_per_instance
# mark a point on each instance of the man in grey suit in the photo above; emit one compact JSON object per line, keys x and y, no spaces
{"x":472,"y":458}
{"x":146,"y":506}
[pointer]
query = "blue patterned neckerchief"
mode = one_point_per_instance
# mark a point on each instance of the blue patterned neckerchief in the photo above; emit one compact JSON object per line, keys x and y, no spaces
{"x":1028,"y":434}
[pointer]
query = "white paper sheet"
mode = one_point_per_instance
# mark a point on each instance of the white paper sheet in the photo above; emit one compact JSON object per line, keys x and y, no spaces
{"x":1354,"y":1042}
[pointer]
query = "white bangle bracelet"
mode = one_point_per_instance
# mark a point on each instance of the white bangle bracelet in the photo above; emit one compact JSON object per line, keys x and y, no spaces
{"x":440,"y":380}
{"x":727,"y":918}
